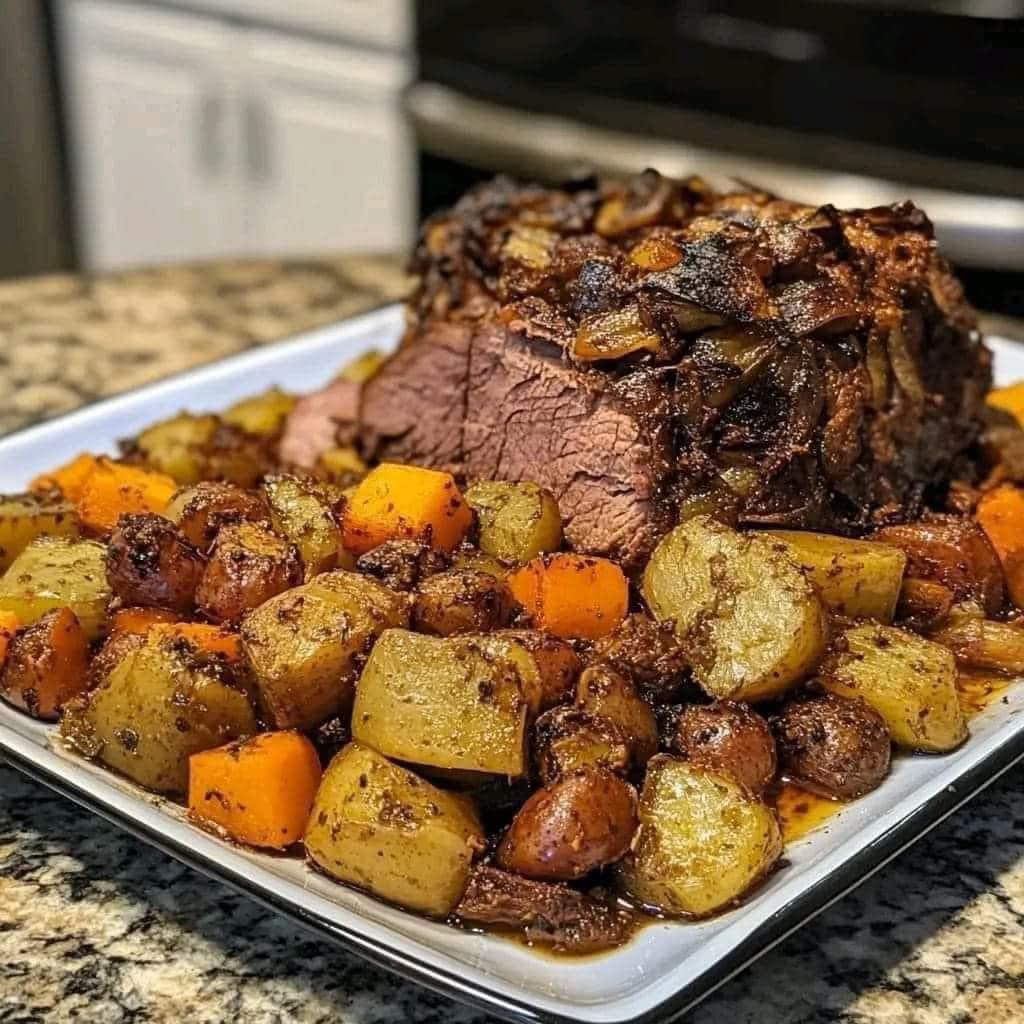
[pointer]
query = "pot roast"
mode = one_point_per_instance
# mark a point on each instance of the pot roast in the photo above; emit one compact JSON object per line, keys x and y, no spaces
{"x":651,"y":348}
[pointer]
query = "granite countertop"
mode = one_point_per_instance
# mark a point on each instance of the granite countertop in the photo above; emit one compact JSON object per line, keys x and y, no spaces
{"x":96,"y":926}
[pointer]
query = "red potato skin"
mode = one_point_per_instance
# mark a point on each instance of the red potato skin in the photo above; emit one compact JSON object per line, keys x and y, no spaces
{"x":248,"y":565}
{"x":150,"y":564}
{"x":572,"y":827}
{"x":729,"y":737}
{"x":212,"y":505}
{"x":833,"y":745}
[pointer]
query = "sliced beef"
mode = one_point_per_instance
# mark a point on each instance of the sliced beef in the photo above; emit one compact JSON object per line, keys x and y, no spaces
{"x":601,"y":448}
{"x":551,"y":915}
{"x":321,"y":420}
{"x":412,"y":410}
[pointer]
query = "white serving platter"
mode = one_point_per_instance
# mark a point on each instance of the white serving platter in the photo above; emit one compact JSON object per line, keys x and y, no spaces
{"x":667,"y":967}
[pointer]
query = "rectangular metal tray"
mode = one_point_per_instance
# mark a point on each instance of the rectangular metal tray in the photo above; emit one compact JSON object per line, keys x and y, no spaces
{"x":667,"y":967}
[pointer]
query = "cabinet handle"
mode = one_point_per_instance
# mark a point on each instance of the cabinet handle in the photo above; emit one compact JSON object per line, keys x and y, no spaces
{"x":210,"y":134}
{"x":258,"y":151}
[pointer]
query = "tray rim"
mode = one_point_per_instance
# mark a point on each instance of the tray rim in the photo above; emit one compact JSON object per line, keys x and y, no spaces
{"x":42,"y":764}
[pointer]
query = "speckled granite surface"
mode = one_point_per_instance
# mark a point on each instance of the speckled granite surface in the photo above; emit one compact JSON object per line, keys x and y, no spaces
{"x":97,"y":927}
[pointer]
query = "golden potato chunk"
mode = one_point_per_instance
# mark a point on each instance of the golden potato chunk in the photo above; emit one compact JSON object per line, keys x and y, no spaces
{"x":57,"y":572}
{"x":262,"y":415}
{"x":748,"y":618}
{"x":307,"y":520}
{"x":605,"y":693}
{"x":703,"y":840}
{"x":517,"y":521}
{"x":177,"y":446}
{"x":24,"y":517}
{"x":153,"y":711}
{"x":305,"y":646}
{"x":858,"y":578}
{"x":382,"y":828}
{"x":457,"y":702}
{"x":909,"y":681}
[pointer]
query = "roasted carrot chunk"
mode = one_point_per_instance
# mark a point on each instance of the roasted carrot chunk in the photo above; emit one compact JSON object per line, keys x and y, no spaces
{"x":259,"y":791}
{"x":405,"y":502}
{"x":1001,"y":515}
{"x":1009,"y":399}
{"x":139,"y":621}
{"x":47,"y":664}
{"x":113,"y":490}
{"x":9,"y":625}
{"x":204,"y":637}
{"x":70,"y":478}
{"x":572,"y":595}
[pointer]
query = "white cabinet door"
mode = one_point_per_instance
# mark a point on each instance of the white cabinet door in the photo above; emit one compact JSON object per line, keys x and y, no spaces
{"x":329,"y":153}
{"x":152,"y":125}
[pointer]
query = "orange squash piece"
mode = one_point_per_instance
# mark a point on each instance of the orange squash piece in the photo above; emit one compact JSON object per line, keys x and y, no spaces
{"x":69,"y":479}
{"x":405,"y":502}
{"x":139,"y":621}
{"x":9,"y":625}
{"x":259,"y":791}
{"x":113,"y":490}
{"x":1009,"y":399}
{"x":572,"y":595}
{"x":204,"y":637}
{"x":47,"y":664}
{"x":1001,"y":515}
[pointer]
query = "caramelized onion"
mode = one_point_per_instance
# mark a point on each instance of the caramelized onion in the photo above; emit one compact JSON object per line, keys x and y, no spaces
{"x":655,"y":254}
{"x":614,"y":335}
{"x":821,"y":305}
{"x":532,"y":247}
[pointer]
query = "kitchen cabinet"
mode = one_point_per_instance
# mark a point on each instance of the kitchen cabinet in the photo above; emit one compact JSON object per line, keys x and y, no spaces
{"x":195,"y":137}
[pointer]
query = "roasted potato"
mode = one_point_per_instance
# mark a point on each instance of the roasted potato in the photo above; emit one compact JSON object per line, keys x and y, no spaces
{"x":985,"y":644}
{"x":730,"y":738}
{"x":605,"y":693}
{"x":703,"y":840}
{"x":248,"y":565}
{"x":909,"y":681}
{"x":580,"y":823}
{"x":856,"y":578}
{"x":150,"y":564}
{"x":566,"y":739}
{"x":343,"y":465}
{"x":24,"y":517}
{"x":648,"y":652}
{"x":833,"y":745}
{"x":201,"y":511}
{"x":307,"y":519}
{"x":305,"y":646}
{"x":378,"y":826}
{"x":153,"y":711}
{"x":955,"y":552}
{"x":176,"y":446}
{"x":363,"y":367}
{"x":46,"y":664}
{"x":57,"y":572}
{"x":557,"y":663}
{"x":263,"y":414}
{"x":750,"y":622}
{"x":402,"y":564}
{"x":517,"y":522}
{"x":115,"y":648}
{"x":452,"y":703}
{"x":461,"y":601}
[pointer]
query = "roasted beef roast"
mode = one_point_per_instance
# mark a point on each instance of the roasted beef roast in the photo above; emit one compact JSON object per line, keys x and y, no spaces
{"x":651,"y":348}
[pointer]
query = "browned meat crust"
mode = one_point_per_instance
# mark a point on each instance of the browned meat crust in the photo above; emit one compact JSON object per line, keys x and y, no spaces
{"x":649,"y":344}
{"x":553,"y":915}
